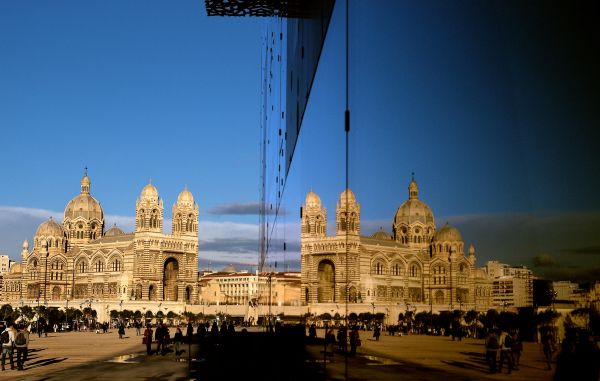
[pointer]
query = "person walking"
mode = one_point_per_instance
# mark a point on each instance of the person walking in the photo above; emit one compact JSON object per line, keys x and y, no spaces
{"x":548,"y":345}
{"x":505,"y":351}
{"x":159,"y":336}
{"x":121,"y":330}
{"x":7,"y":338}
{"x":377,"y":332}
{"x":148,"y":339}
{"x":190,"y":332}
{"x":177,"y":340}
{"x":491,"y":350}
{"x":138,"y":328}
{"x":21,"y":344}
{"x":354,"y":340}
{"x":517,"y":349}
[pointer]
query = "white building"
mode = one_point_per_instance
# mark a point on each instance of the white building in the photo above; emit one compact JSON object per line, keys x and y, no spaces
{"x":512,"y":285}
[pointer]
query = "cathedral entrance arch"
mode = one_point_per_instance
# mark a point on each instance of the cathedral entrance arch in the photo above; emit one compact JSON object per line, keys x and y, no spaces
{"x":439,"y":297}
{"x":170,"y":273}
{"x":326,"y":275}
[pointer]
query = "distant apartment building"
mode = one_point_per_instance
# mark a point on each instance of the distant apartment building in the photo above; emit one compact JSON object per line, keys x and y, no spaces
{"x":229,"y":286}
{"x":569,"y":293}
{"x":4,"y":264}
{"x":512,"y":286}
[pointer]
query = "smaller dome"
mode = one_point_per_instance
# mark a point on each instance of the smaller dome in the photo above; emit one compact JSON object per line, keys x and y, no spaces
{"x":114,"y":231}
{"x":448,"y":234}
{"x":185,"y":198}
{"x":351,"y":197}
{"x":312,"y":200}
{"x":49,"y":228}
{"x":15,"y":268}
{"x":229,"y":269}
{"x":382,"y":235}
{"x":149,"y":193}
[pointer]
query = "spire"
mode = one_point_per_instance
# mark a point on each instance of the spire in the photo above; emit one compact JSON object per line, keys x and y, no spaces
{"x":85,"y":182}
{"x":413,"y":188}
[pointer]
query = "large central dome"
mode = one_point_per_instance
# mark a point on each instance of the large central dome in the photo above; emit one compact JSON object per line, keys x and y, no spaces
{"x":414,"y":210}
{"x":84,"y":205}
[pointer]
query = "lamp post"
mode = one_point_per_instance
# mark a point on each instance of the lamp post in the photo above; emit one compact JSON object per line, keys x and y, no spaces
{"x":450,"y":278}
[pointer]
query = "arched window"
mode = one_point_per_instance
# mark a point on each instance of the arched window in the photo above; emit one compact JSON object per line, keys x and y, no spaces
{"x":82,"y":267}
{"x":414,"y":271}
{"x":99,"y":265}
{"x":116,"y":264}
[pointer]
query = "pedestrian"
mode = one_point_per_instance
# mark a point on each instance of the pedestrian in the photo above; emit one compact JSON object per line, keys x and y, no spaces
{"x":190,"y":332}
{"x":354,"y":340}
{"x":312,"y":332}
{"x":491,"y":350}
{"x":148,"y":339}
{"x":21,"y":344}
{"x":377,"y":332}
{"x":214,"y":330}
{"x":201,"y":332}
{"x":177,"y":340}
{"x":505,"y":351}
{"x":121,"y":330}
{"x":231,"y":328}
{"x":517,"y":349}
{"x":138,"y":327}
{"x":548,"y":345}
{"x":159,"y":336}
{"x":7,"y":338}
{"x":55,"y":327}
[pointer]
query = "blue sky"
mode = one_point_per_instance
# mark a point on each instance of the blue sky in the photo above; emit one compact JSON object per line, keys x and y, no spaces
{"x":133,"y":90}
{"x":492,"y":105}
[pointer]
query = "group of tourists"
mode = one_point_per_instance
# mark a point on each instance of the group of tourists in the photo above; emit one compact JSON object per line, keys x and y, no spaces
{"x":343,"y":338}
{"x":501,"y":347}
{"x":162,"y":336}
{"x":14,"y":339}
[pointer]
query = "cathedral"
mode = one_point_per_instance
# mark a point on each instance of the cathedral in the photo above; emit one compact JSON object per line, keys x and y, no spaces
{"x":417,"y":264}
{"x":79,"y":259}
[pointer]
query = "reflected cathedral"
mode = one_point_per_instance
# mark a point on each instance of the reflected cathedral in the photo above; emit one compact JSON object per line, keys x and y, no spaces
{"x":416,"y":263}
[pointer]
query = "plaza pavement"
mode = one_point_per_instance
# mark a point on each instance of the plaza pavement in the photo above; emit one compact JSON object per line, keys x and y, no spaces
{"x":90,"y":356}
{"x":421,"y":357}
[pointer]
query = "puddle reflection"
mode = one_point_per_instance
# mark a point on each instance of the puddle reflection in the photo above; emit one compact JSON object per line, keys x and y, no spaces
{"x":127,"y":359}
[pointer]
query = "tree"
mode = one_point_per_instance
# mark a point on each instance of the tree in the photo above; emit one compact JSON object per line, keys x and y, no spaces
{"x":27,"y":312}
{"x":114,"y":314}
{"x":137,"y":315}
{"x":149,"y":314}
{"x":6,"y":312}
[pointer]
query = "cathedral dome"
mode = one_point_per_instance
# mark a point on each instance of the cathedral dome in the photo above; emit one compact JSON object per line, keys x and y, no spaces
{"x":49,"y":228}
{"x":381,"y":235}
{"x":350,"y":195}
{"x":114,"y":231}
{"x":185,"y":198}
{"x":312,"y":200}
{"x":448,"y":234}
{"x":84,"y":205}
{"x":149,"y":193}
{"x":413,"y":210}
{"x":229,"y":269}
